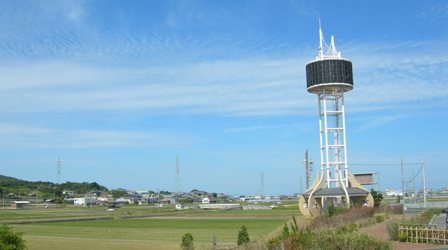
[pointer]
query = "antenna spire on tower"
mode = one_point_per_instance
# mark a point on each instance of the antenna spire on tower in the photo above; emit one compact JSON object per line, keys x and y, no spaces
{"x":321,"y":41}
{"x":324,"y":50}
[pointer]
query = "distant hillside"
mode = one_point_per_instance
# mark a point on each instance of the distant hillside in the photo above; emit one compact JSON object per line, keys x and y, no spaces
{"x":16,"y":187}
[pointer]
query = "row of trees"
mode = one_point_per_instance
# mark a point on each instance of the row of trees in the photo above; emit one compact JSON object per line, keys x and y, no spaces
{"x":17,"y":187}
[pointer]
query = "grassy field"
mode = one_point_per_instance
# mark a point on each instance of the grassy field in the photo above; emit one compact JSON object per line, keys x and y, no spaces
{"x":162,"y":229}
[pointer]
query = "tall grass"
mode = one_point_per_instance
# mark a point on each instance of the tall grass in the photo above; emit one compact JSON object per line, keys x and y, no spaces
{"x":422,"y":219}
{"x":342,"y":237}
{"x":345,"y":217}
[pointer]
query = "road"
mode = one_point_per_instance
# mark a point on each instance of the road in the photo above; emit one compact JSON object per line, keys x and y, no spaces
{"x":440,"y":221}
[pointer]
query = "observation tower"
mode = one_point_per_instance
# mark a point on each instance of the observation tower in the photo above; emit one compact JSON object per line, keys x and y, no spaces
{"x":329,"y":76}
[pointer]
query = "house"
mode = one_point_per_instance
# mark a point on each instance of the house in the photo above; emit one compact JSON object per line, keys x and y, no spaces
{"x":106,"y":199}
{"x":84,"y":201}
{"x":205,"y":200}
{"x":123,"y":201}
{"x":20,"y":204}
{"x":68,"y":193}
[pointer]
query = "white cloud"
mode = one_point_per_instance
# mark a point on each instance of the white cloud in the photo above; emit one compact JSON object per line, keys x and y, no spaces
{"x":378,"y":121}
{"x":248,"y":129}
{"x":15,"y":135}
{"x":388,"y":76}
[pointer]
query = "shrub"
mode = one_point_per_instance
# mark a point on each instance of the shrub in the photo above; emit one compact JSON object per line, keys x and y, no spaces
{"x":347,"y":216}
{"x":332,"y":210}
{"x":187,"y":242}
{"x":10,"y":240}
{"x":426,"y":216}
{"x":377,"y":197}
{"x":243,"y":236}
{"x":393,"y":230}
{"x":343,"y":237}
{"x":331,"y":239}
{"x":380,"y":218}
{"x":402,"y":236}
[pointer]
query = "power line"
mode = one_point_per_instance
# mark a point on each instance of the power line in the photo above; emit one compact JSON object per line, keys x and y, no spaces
{"x":385,"y":164}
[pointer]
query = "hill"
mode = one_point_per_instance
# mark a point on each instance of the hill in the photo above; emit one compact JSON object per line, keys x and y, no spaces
{"x":15,"y":188}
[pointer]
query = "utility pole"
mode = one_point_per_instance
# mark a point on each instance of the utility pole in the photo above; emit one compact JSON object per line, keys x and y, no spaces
{"x":378,"y":181}
{"x":402,"y":180}
{"x":308,"y":169}
{"x":424,"y":184}
{"x":413,"y":187}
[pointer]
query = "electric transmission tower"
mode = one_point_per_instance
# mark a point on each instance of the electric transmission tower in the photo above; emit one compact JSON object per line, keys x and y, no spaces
{"x":177,"y":175}
{"x":59,"y":171}
{"x":261,"y":185}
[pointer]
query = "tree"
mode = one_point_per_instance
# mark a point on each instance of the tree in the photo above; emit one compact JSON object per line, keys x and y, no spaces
{"x":377,"y":197}
{"x":117,"y":193}
{"x":10,"y":240}
{"x":243,"y":236}
{"x":187,"y":242}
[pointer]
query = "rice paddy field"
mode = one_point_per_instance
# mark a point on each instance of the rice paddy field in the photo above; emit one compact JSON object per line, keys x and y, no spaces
{"x":137,"y":227}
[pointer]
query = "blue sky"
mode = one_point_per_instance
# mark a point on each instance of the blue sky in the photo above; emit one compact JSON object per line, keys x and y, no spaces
{"x":118,"y":89}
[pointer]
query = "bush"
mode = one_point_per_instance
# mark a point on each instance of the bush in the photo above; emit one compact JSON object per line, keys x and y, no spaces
{"x":393,"y":230}
{"x":402,"y":236}
{"x":347,"y":216}
{"x":426,"y":216}
{"x":380,"y":218}
{"x":10,"y":240}
{"x":377,"y":197}
{"x":332,"y":210}
{"x":187,"y":242}
{"x":343,"y":237}
{"x":243,"y":236}
{"x":331,"y":239}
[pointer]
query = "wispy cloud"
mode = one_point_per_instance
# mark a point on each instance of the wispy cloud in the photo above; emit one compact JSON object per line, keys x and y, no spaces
{"x":76,"y":68}
{"x":15,"y":135}
{"x":245,"y":87}
{"x":379,"y":121}
{"x":248,"y":129}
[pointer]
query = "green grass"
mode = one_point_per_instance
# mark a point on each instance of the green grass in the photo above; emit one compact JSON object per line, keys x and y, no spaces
{"x":162,"y":229}
{"x":155,"y":232}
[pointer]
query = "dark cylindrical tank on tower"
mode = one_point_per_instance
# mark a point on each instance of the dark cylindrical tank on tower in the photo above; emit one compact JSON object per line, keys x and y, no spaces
{"x":329,"y":75}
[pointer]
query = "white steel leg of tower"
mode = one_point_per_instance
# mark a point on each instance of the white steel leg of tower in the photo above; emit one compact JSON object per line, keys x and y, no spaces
{"x":333,"y":139}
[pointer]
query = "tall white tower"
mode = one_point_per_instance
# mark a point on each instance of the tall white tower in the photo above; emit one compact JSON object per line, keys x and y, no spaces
{"x":330,"y":76}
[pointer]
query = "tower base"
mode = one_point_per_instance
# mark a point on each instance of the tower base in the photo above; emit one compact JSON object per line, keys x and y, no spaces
{"x":317,"y":198}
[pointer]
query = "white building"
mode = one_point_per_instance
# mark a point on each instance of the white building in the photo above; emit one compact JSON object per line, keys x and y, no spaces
{"x":206,"y":200}
{"x":393,"y":193}
{"x":220,"y":206}
{"x":84,"y":201}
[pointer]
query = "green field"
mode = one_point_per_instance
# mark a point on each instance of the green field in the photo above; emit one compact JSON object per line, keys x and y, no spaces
{"x":161,"y":229}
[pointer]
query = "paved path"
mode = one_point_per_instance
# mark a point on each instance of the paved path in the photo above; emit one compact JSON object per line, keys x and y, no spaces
{"x":440,"y":221}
